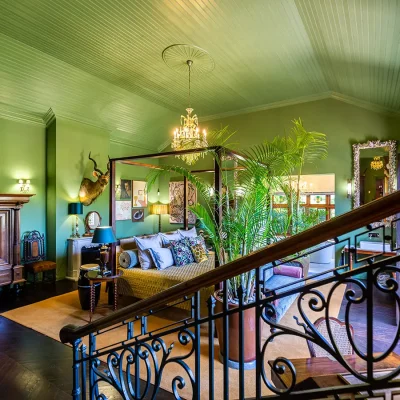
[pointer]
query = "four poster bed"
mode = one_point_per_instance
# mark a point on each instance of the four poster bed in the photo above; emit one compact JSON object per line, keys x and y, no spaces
{"x":143,"y":283}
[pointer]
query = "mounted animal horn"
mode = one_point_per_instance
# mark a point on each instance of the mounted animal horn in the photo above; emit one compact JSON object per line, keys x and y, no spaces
{"x":89,"y":190}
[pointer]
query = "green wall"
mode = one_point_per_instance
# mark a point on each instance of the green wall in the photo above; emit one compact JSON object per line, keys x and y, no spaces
{"x":66,"y":146}
{"x":123,"y":171}
{"x":23,"y":157}
{"x":344,"y":124}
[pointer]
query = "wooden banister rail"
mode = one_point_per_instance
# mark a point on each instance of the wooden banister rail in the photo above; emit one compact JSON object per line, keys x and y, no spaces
{"x":345,"y":223}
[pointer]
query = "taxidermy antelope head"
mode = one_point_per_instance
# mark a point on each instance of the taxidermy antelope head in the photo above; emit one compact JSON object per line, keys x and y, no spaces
{"x":89,"y":190}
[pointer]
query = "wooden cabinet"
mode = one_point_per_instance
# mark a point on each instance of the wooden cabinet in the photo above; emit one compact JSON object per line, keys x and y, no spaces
{"x":11,"y":270}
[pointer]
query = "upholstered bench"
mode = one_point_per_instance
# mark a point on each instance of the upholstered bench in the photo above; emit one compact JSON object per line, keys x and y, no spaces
{"x":42,"y":266}
{"x":274,"y":277}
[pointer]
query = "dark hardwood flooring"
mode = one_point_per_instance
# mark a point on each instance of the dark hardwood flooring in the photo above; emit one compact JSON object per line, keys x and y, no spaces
{"x":34,"y":366}
{"x":384,"y":317}
{"x":32,"y":294}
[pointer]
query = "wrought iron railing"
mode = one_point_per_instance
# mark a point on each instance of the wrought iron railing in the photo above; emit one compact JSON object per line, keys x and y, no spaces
{"x":140,"y":349}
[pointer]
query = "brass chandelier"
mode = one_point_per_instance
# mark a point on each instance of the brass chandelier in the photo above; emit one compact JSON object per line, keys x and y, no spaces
{"x":188,"y":135}
{"x":376,"y":163}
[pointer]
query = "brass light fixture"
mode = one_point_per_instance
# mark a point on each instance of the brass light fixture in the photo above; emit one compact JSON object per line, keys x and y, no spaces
{"x":376,"y":163}
{"x":24,"y":185}
{"x":188,"y":135}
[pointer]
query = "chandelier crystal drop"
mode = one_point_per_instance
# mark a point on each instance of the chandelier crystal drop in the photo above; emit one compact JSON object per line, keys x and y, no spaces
{"x":188,"y":135}
{"x":377,"y":163}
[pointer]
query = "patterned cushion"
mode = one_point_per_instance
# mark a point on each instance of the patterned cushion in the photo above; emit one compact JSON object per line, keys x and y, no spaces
{"x":143,"y":245}
{"x":129,"y":259}
{"x":181,"y":252}
{"x":40,"y":266}
{"x":190,"y":233}
{"x":193,"y":241}
{"x":199,"y":253}
{"x":162,"y":258}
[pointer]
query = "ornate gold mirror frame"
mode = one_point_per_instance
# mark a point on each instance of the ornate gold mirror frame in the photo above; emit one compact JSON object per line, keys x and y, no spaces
{"x":392,"y":167}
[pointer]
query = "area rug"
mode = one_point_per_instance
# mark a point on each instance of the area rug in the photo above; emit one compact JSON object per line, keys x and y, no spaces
{"x":49,"y":316}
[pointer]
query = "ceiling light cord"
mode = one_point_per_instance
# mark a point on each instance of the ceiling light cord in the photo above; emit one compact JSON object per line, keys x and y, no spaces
{"x":189,"y":63}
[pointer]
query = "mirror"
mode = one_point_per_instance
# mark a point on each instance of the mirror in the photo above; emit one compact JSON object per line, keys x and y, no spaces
{"x":374,"y":173}
{"x":92,"y":221}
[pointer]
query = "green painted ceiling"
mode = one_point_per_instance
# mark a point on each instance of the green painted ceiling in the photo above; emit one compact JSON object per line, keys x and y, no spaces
{"x":100,"y":62}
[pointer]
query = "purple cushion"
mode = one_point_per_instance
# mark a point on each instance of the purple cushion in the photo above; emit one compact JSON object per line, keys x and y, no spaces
{"x":289,"y":270}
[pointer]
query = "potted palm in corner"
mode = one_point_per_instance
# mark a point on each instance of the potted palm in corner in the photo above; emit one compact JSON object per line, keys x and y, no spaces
{"x":249,"y":221}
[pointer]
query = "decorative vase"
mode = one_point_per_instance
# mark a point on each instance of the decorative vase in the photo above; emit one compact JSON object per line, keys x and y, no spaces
{"x":249,"y":334}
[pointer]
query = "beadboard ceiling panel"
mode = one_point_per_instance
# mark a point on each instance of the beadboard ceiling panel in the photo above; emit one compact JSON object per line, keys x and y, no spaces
{"x":99,"y":61}
{"x":357,"y":44}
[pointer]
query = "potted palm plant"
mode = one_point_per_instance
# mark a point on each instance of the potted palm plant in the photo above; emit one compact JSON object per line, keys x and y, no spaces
{"x":249,"y":221}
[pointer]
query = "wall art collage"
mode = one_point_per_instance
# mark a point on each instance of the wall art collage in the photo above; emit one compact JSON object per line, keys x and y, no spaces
{"x":131,"y":201}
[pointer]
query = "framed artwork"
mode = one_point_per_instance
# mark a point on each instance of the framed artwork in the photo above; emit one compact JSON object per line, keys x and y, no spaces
{"x":176,"y":204}
{"x":126,"y":189}
{"x":139,"y":194}
{"x":122,"y":210}
{"x":137,"y":214}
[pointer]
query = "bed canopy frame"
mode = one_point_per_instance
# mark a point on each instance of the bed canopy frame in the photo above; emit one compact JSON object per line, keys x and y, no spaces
{"x":221,"y":153}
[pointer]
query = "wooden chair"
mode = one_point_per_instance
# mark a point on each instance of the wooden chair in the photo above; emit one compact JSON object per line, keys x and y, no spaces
{"x":34,"y":257}
{"x":338,"y":329}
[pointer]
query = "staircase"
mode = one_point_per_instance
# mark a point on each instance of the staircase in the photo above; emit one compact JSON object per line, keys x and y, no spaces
{"x":139,"y":354}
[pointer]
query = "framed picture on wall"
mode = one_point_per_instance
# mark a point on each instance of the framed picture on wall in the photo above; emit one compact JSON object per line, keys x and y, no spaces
{"x":137,"y":214}
{"x":126,"y":189}
{"x":122,"y":210}
{"x":176,"y":202}
{"x":139,"y":194}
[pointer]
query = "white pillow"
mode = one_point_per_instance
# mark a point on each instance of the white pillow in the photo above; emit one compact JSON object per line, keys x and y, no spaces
{"x":162,"y":258}
{"x":190,"y":233}
{"x":143,"y":244}
{"x":167,"y":237}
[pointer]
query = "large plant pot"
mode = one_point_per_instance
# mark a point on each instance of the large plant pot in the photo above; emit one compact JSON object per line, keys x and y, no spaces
{"x":249,"y":334}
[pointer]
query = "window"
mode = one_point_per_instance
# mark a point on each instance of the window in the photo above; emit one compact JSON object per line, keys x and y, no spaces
{"x":324,"y":203}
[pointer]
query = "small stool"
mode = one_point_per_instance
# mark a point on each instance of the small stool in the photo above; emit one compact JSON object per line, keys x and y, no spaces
{"x":41,"y":266}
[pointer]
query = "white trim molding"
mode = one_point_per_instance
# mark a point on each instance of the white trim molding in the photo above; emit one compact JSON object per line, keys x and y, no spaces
{"x":18,"y":115}
{"x":269,"y":106}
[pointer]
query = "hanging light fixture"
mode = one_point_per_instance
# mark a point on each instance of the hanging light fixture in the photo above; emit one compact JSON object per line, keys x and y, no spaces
{"x":188,"y":135}
{"x":376,"y":163}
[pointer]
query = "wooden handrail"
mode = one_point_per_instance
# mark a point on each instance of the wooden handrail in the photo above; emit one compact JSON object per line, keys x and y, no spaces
{"x":345,"y":223}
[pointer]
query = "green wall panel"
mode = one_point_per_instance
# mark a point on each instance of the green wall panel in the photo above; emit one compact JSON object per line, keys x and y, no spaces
{"x":123,"y":171}
{"x":344,"y":124}
{"x":23,"y":157}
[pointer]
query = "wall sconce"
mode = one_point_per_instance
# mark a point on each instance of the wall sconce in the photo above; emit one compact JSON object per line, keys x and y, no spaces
{"x":24,"y":185}
{"x":349,"y":188}
{"x":117,"y":188}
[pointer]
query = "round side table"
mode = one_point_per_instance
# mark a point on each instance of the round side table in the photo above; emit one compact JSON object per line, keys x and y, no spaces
{"x":112,"y":279}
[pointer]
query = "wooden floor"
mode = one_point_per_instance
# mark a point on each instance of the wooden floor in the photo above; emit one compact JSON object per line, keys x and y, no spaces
{"x":34,"y":366}
{"x":384,"y":320}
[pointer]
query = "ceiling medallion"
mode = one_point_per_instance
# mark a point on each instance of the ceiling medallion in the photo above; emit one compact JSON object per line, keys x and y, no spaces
{"x":377,"y":163}
{"x":188,"y":135}
{"x":177,"y":55}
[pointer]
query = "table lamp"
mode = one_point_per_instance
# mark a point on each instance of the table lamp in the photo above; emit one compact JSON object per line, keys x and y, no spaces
{"x":104,"y":235}
{"x":159,"y":209}
{"x":75,"y":209}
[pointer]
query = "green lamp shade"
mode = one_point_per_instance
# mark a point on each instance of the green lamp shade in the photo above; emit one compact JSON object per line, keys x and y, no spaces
{"x":104,"y":234}
{"x":75,"y":208}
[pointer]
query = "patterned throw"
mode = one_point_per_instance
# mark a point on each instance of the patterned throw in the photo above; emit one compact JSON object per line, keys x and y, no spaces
{"x":193,"y":241}
{"x":181,"y":252}
{"x":199,"y":253}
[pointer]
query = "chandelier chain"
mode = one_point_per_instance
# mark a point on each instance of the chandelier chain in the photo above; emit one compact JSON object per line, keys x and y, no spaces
{"x":188,"y":135}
